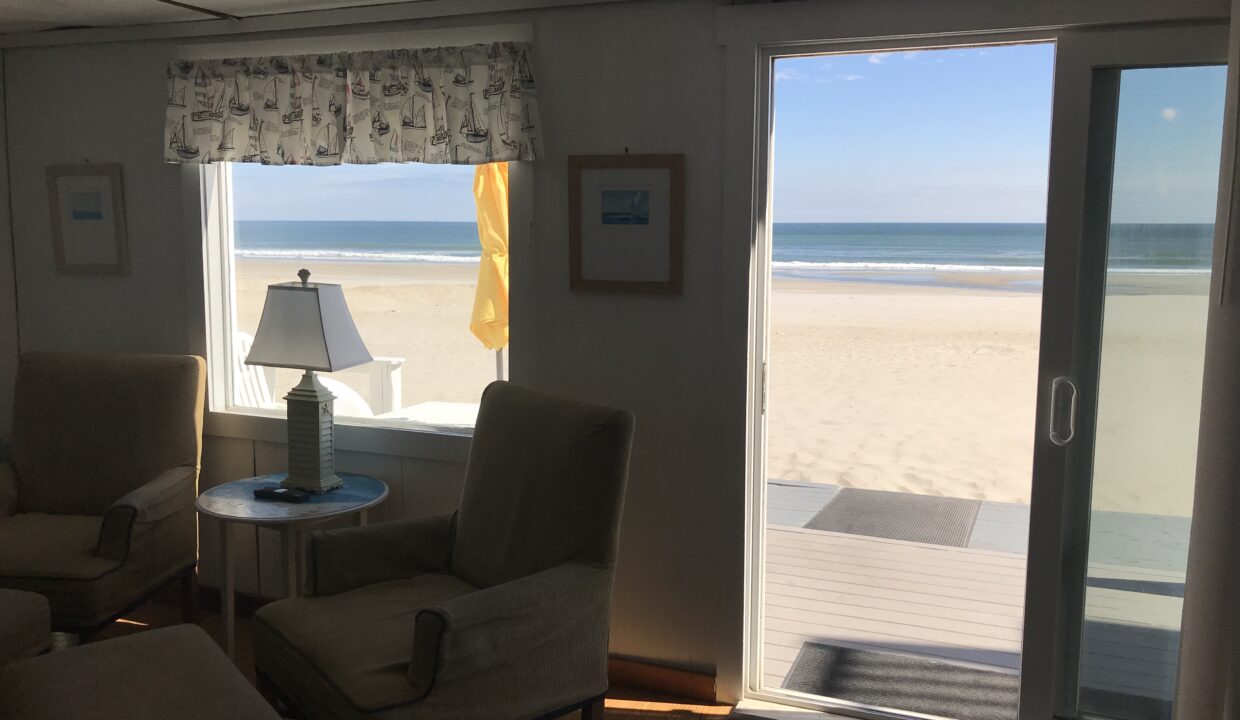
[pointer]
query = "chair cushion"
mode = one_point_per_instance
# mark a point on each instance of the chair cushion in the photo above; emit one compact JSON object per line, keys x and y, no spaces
{"x":348,"y":652}
{"x":35,"y":545}
{"x":53,"y":555}
{"x":175,"y":672}
{"x":25,"y":625}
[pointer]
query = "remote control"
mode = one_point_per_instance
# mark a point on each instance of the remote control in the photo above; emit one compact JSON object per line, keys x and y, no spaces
{"x":282,"y":494}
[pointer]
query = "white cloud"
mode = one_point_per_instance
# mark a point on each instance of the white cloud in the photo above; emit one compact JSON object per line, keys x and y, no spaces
{"x":876,"y":59}
{"x":910,"y":54}
{"x":789,"y":74}
{"x":1170,"y":114}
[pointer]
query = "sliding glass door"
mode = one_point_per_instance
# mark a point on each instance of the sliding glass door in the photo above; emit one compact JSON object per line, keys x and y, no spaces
{"x":984,"y":314}
{"x":1148,"y":207}
{"x":907,"y":255}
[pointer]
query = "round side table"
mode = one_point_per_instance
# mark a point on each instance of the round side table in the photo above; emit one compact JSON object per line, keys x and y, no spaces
{"x":234,"y":503}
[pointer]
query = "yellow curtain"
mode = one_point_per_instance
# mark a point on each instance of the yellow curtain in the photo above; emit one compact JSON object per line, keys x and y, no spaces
{"x":490,"y":319}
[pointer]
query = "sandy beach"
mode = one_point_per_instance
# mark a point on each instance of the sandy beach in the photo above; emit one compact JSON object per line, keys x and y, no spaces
{"x":416,"y":311}
{"x":887,"y":382}
{"x":888,"y":385}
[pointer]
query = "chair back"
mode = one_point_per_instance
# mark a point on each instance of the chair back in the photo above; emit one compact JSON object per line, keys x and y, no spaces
{"x":544,"y":485}
{"x":90,"y":427}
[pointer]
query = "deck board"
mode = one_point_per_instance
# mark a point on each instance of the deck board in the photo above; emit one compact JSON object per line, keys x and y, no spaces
{"x":942,"y":603}
{"x":957,"y":605}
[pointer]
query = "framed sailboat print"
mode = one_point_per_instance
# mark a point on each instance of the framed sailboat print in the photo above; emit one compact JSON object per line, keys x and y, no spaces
{"x":626,"y":222}
{"x":88,"y":219}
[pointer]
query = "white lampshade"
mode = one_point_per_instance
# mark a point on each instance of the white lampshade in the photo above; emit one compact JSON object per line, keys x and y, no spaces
{"x":307,"y":326}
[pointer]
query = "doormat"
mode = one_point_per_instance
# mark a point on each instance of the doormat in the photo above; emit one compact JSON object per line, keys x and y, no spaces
{"x":899,"y":516}
{"x":902,"y":682}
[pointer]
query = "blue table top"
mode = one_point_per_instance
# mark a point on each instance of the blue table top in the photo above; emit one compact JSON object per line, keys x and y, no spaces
{"x":235,"y":501}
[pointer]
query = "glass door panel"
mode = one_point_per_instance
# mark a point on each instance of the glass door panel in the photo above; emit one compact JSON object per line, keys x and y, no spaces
{"x":1164,"y":181}
{"x":909,"y":200}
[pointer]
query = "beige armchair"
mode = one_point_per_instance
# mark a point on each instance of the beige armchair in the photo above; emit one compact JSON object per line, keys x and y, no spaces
{"x":499,"y":611}
{"x":97,"y":504}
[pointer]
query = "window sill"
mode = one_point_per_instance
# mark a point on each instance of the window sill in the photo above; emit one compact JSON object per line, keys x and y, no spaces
{"x":444,"y":444}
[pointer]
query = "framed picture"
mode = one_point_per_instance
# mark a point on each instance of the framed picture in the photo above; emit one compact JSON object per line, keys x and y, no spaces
{"x":88,"y":219}
{"x":626,"y":216}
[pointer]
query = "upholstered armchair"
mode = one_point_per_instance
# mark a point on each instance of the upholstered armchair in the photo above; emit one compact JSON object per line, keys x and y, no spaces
{"x":97,"y":503}
{"x":498,"y":611}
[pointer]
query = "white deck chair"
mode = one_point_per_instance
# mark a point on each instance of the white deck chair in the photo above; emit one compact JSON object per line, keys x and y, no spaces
{"x":252,"y":384}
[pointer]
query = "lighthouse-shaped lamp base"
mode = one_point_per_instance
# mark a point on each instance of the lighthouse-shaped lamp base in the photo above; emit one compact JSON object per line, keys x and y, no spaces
{"x":311,"y":437}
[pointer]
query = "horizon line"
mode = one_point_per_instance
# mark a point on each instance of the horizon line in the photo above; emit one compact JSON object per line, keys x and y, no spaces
{"x":776,"y":222}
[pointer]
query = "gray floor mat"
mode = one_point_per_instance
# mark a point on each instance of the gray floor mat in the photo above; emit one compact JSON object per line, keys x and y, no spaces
{"x":903,"y":682}
{"x":899,"y":516}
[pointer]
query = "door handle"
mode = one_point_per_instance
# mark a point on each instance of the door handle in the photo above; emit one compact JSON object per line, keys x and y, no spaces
{"x":1063,"y":410}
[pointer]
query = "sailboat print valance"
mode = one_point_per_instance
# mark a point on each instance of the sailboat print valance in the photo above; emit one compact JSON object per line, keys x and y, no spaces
{"x":452,"y":105}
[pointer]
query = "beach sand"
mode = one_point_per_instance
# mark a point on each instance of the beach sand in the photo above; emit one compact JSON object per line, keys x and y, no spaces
{"x":416,"y":311}
{"x":885,"y":382}
{"x":928,"y":389}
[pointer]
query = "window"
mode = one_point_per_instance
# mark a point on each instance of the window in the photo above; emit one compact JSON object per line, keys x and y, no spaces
{"x":402,"y":240}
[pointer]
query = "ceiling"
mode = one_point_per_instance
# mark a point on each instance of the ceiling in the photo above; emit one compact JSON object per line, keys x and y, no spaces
{"x":19,"y":16}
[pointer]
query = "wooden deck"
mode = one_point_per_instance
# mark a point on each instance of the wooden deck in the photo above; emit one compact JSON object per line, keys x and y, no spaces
{"x":960,"y":605}
{"x":943,"y":603}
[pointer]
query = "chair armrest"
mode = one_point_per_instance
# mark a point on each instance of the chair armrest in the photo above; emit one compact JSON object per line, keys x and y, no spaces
{"x":556,"y":620}
{"x":349,"y":558}
{"x":8,"y":490}
{"x":170,"y":491}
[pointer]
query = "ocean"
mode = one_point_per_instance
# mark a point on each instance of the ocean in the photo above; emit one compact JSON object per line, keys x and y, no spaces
{"x":799,"y":249}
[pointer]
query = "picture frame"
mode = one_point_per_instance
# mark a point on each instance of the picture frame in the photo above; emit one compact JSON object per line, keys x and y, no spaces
{"x":87,"y":206}
{"x":626,"y":223}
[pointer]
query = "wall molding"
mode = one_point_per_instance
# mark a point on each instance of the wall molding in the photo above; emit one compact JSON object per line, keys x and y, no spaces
{"x":643,"y":675}
{"x":315,"y":19}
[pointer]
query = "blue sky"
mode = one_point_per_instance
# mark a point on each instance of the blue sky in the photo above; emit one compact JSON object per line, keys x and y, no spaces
{"x":963,"y":135}
{"x":354,"y":192}
{"x":959,"y":135}
{"x":1167,"y":144}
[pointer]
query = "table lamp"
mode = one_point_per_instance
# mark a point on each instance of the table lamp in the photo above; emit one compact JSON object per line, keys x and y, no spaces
{"x":307,"y":326}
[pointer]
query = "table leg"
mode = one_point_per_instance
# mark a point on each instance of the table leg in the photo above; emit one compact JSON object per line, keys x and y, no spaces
{"x":227,"y":595}
{"x":300,"y":539}
{"x":288,"y":542}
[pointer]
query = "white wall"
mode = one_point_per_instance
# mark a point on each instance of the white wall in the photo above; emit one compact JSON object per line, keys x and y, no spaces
{"x":644,"y":76}
{"x":8,"y":298}
{"x":96,"y":104}
{"x":677,"y":362}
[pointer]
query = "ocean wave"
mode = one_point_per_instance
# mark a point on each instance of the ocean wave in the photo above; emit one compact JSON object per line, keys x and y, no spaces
{"x":358,"y":255}
{"x":901,"y":267}
{"x":959,"y":267}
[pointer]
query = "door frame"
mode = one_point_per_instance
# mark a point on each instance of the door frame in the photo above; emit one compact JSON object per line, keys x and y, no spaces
{"x":1055,"y":561}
